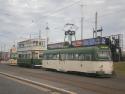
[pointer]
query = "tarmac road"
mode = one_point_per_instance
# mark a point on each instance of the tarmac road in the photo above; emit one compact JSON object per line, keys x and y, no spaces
{"x":75,"y":83}
{"x":8,"y":86}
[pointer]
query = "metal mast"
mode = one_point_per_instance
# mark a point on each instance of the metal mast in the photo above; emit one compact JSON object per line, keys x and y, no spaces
{"x":70,"y":30}
{"x":96,"y":24}
{"x":96,"y":30}
{"x":47,"y":29}
{"x":39,"y":34}
{"x":82,"y":20}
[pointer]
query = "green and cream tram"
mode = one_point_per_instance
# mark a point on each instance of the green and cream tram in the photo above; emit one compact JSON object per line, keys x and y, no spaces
{"x":94,"y":59}
{"x":13,"y":56}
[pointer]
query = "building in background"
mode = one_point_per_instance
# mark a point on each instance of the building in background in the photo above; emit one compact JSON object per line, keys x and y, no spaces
{"x":4,"y":56}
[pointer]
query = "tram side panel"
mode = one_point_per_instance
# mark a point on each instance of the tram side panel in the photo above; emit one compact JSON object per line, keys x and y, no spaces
{"x":105,"y":67}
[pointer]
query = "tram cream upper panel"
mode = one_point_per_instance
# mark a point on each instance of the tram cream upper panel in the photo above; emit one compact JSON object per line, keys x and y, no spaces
{"x":32,"y":44}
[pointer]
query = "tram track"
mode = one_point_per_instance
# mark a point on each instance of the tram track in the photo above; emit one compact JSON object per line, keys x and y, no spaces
{"x":70,"y":80}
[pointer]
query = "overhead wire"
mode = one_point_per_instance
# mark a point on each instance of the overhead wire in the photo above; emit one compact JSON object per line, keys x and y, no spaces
{"x":50,"y":12}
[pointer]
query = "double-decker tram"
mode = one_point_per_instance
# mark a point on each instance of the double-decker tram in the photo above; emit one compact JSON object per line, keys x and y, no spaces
{"x":30,"y":52}
{"x":13,"y":61}
{"x":91,"y":60}
{"x":13,"y":56}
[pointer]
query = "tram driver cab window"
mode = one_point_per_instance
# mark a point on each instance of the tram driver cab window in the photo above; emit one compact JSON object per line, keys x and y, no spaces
{"x":104,"y":55}
{"x":76,"y":56}
{"x":81,"y":56}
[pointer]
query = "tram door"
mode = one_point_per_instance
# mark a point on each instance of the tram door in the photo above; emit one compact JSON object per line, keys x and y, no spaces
{"x":62,"y":62}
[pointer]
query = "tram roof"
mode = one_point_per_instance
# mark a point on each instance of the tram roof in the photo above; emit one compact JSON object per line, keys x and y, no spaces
{"x":73,"y":50}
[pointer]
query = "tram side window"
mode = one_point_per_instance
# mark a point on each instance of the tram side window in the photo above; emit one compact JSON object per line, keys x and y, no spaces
{"x":62,"y":56}
{"x":70,"y":56}
{"x":55,"y":56}
{"x":20,"y":56}
{"x":25,"y":55}
{"x":28,"y":56}
{"x":66,"y":57}
{"x":73,"y":56}
{"x":51,"y":56}
{"x":104,"y":55}
{"x":40,"y":43}
{"x":76,"y":56}
{"x":45,"y":56}
{"x":43,"y":43}
{"x":88,"y":57}
{"x":81,"y":57}
{"x":40,"y":56}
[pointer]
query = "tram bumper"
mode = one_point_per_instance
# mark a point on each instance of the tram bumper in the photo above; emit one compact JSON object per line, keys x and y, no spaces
{"x":103,"y":74}
{"x":100,"y":73}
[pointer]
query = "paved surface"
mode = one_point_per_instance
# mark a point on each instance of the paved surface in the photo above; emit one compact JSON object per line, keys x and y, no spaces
{"x":8,"y":86}
{"x":75,"y":83}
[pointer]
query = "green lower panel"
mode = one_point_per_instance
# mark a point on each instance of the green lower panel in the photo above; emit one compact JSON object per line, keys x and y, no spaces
{"x":29,"y":62}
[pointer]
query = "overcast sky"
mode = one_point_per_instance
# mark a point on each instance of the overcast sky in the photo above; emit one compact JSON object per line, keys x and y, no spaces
{"x":20,"y":18}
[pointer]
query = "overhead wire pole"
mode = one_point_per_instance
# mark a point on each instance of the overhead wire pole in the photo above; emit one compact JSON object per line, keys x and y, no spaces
{"x":82,"y":20}
{"x":4,"y":47}
{"x":47,"y":31}
{"x":1,"y":48}
{"x":96,"y":24}
{"x":39,"y":34}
